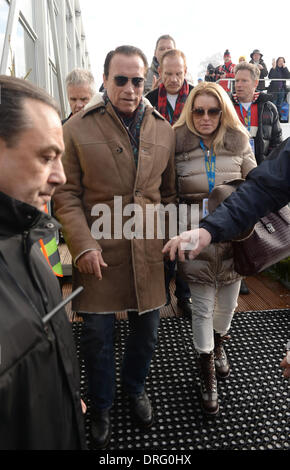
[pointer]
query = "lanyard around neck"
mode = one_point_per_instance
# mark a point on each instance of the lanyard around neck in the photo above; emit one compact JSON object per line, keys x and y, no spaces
{"x":247,"y":119}
{"x":210,"y":159}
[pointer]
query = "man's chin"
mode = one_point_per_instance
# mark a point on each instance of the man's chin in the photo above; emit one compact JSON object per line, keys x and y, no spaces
{"x":128,"y":110}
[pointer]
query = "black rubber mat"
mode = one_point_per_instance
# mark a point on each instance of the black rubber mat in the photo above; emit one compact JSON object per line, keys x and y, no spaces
{"x":254,"y":399}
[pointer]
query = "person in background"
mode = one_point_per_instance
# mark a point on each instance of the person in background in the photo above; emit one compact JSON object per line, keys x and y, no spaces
{"x":169,"y":99}
{"x":163,"y":44}
{"x":210,"y":75}
{"x":80,"y":87}
{"x":266,"y":189}
{"x":225,"y":71}
{"x":212,"y":145}
{"x":258,"y":115}
{"x":277,"y":89}
{"x":242,"y":58}
{"x":117,"y":145}
{"x":256,"y":59}
{"x":40,"y":407}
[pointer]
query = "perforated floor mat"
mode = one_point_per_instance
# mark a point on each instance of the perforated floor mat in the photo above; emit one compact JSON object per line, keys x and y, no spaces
{"x":254,"y":399}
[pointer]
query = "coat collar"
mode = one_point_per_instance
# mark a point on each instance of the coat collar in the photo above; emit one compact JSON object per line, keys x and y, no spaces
{"x":17,"y":217}
{"x":258,"y":97}
{"x":186,"y":141}
{"x":97,"y":103}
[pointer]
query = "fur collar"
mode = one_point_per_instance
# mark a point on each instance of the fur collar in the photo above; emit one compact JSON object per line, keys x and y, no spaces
{"x":235,"y":141}
{"x":97,"y":101}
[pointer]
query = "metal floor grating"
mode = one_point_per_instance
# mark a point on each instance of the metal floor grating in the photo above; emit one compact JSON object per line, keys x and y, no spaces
{"x":254,"y":400}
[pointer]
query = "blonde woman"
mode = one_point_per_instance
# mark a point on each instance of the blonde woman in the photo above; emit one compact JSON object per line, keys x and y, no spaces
{"x":212,"y":146}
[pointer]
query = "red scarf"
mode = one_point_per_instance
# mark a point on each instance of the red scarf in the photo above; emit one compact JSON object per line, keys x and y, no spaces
{"x":162,"y":102}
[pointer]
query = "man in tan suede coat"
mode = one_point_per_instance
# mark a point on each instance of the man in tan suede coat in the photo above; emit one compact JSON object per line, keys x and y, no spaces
{"x":119,"y":151}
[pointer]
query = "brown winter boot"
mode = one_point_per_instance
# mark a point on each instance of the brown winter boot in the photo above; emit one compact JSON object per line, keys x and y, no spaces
{"x":208,"y":384}
{"x":222,"y":365}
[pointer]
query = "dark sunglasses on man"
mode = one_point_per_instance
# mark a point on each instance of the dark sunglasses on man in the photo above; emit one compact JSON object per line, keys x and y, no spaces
{"x":121,"y":80}
{"x":212,"y":112}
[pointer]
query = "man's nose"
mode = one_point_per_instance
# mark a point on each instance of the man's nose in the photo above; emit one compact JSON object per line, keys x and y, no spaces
{"x":129,"y":87}
{"x":79,"y":104}
{"x":57,"y":175}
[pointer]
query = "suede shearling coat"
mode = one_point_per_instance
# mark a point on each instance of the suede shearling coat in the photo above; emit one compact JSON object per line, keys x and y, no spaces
{"x":99,"y":164}
{"x":214,"y":265}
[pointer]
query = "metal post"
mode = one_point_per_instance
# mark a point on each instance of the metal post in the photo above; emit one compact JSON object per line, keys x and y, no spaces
{"x":10,"y":34}
{"x":57,"y":56}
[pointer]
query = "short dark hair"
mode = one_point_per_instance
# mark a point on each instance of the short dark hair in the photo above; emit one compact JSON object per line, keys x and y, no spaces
{"x":165,"y":36}
{"x":13,"y":92}
{"x":125,"y":50}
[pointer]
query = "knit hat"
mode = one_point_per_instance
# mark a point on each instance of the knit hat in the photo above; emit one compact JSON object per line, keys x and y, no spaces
{"x":227,"y":53}
{"x":256,"y":51}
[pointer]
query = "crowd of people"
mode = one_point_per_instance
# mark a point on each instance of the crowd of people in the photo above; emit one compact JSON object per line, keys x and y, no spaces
{"x":149,"y":137}
{"x":278,"y":74}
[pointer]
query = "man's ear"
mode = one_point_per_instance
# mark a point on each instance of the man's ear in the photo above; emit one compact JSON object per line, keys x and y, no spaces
{"x":3,"y":147}
{"x":104,"y":81}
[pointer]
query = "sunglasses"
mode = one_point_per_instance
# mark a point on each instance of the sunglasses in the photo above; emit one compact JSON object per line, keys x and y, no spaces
{"x":211,"y":112}
{"x":121,"y":80}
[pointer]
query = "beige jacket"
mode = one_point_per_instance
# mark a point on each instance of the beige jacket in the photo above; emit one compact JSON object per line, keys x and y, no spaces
{"x":214,"y":265}
{"x":99,"y":165}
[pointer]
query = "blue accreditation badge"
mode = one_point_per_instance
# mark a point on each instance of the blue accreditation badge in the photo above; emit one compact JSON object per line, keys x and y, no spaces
{"x":252,"y":144}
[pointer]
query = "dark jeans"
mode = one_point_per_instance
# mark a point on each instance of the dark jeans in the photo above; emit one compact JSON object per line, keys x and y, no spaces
{"x":97,"y":347}
{"x":182,"y":290}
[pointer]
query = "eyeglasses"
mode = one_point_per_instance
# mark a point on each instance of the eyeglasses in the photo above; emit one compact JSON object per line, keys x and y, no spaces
{"x":211,"y":112}
{"x":121,"y":80}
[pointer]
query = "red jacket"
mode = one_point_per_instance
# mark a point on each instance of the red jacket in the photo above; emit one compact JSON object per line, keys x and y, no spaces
{"x":228,"y":69}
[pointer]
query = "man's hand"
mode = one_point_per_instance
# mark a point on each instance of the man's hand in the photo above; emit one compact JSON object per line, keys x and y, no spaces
{"x":192,"y":241}
{"x":91,"y":262}
{"x":84,"y":407}
{"x":155,"y":82}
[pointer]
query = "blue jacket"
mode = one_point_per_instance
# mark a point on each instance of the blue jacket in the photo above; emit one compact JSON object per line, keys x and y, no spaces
{"x":266,"y":189}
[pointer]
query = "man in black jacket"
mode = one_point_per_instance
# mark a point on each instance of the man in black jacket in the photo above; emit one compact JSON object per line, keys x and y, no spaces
{"x":40,"y":405}
{"x":256,"y":111}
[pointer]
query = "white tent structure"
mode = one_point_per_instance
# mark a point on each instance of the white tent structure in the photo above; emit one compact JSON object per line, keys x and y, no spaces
{"x":42,"y":41}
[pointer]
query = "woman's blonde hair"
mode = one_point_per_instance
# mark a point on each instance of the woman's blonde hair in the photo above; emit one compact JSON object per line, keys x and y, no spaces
{"x":228,"y":120}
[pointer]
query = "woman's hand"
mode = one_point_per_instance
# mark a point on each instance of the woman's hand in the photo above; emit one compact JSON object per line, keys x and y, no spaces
{"x":192,"y":241}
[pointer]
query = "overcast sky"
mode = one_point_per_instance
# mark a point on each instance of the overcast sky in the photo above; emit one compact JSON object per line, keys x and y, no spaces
{"x":200,"y":28}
